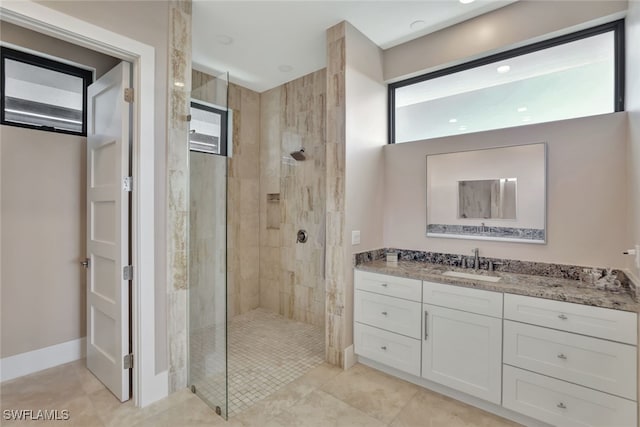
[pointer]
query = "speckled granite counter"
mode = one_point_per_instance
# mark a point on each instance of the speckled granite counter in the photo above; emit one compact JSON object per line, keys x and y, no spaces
{"x":522,"y":284}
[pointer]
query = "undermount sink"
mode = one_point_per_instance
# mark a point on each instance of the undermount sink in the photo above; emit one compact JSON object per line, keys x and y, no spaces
{"x":471,"y":276}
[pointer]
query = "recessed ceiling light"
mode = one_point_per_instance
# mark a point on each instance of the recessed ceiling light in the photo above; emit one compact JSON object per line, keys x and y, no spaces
{"x":178,"y":84}
{"x":453,"y":120}
{"x":466,"y":1}
{"x":224,"y":39}
{"x":503,"y":69}
{"x":462,"y":127}
{"x":417,"y":24}
{"x":526,"y":119}
{"x":522,"y":109}
{"x":285,"y":68}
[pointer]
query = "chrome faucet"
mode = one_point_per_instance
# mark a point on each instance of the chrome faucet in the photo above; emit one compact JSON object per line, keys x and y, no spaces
{"x":476,"y":258}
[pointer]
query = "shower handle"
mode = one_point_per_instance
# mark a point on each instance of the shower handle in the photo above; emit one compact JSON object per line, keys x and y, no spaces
{"x":302,"y":236}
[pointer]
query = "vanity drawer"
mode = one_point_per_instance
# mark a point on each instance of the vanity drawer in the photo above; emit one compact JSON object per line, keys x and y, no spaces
{"x":398,"y":287}
{"x":471,"y":300}
{"x":391,"y":349}
{"x":563,"y":404}
{"x":598,"y":322}
{"x":388,"y":313}
{"x":603,"y":365}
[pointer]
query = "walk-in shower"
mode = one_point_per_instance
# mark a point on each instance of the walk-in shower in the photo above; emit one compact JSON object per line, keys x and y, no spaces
{"x":256,"y":239}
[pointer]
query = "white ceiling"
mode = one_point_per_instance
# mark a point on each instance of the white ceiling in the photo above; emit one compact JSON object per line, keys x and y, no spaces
{"x":267,"y":35}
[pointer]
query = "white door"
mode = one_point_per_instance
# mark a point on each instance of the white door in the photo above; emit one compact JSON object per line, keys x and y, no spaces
{"x":463,"y":351}
{"x":108,"y":230}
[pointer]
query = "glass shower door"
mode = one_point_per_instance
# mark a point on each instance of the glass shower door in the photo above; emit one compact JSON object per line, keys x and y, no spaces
{"x":208,"y":243}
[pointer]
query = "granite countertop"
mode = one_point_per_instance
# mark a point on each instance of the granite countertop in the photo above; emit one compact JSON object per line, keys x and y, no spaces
{"x":521,"y":284}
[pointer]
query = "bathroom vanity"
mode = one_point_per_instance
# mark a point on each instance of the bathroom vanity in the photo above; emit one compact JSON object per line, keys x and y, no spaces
{"x":554,"y":350}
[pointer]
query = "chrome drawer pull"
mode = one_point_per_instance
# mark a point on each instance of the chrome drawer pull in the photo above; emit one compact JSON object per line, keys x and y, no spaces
{"x":384,"y":313}
{"x":561,"y":405}
{"x":426,"y":334}
{"x":563,"y":317}
{"x":384,"y":285}
{"x":384,"y":347}
{"x":562,"y":356}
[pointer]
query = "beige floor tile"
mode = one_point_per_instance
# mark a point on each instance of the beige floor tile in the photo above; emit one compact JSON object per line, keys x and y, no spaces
{"x":431,"y":409}
{"x":114,"y":413}
{"x":320,"y":409}
{"x":289,"y":395}
{"x":88,"y":381}
{"x":373,"y":392}
{"x":48,"y":389}
{"x":191,"y":412}
{"x":80,"y":411}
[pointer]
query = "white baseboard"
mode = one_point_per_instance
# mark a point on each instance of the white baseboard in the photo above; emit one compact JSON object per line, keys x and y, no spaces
{"x":33,"y":361}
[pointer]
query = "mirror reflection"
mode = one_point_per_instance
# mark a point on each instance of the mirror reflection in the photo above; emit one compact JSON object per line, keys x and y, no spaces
{"x":488,"y":194}
{"x":487,"y":198}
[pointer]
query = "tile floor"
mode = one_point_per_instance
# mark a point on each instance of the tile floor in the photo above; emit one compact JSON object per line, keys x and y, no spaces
{"x":266,"y":352}
{"x":325,"y":396}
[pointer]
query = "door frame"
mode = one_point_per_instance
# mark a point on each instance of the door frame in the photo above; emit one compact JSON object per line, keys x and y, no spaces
{"x":148,"y":386}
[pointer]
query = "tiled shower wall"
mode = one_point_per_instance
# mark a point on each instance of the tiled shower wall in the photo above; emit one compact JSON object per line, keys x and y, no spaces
{"x":177,"y":208}
{"x":292,"y":198}
{"x":242,"y":190}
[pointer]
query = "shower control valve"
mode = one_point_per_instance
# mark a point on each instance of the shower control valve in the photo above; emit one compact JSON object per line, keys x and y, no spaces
{"x":302,"y":236}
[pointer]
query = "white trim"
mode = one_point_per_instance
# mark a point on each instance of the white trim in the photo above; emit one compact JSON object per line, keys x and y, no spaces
{"x":44,"y":358}
{"x":147,"y":385}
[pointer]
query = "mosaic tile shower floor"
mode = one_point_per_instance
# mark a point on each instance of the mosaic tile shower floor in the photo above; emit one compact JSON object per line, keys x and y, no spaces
{"x":266,"y":352}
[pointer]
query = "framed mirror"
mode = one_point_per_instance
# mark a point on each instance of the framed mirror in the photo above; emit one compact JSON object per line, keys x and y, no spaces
{"x":488,"y":194}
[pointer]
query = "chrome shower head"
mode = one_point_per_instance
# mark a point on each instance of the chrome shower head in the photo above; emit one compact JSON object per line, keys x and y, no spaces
{"x":299,"y":155}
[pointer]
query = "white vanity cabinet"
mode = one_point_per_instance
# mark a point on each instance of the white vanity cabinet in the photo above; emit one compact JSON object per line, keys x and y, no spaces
{"x":462,"y":349}
{"x":560,"y":370}
{"x":543,"y":360}
{"x":387,"y":327}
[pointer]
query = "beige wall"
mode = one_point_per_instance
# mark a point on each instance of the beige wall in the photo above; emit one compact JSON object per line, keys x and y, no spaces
{"x":514,"y":25}
{"x":366,"y":135}
{"x":292,"y":116}
{"x":43,"y":225}
{"x":586,"y":192}
{"x":633,"y":111}
{"x":22,"y":37}
{"x":125,"y":18}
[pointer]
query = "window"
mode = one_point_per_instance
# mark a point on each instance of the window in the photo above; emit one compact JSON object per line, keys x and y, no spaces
{"x":576,"y":75}
{"x":208,"y":132}
{"x":44,"y":94}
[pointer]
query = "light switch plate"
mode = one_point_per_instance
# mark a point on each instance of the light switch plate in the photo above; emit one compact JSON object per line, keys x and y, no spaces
{"x":355,"y":237}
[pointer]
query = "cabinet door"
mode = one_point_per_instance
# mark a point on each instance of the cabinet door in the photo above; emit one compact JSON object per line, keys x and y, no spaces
{"x":463,"y":351}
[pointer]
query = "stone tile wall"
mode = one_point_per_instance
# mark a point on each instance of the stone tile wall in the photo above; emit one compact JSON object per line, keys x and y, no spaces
{"x":177,"y":198}
{"x":242,"y":189}
{"x":336,"y":254}
{"x":292,"y":198}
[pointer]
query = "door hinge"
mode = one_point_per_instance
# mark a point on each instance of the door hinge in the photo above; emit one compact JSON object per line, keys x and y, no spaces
{"x":127,"y":272}
{"x":127,"y":183}
{"x":128,"y":94}
{"x":128,"y":361}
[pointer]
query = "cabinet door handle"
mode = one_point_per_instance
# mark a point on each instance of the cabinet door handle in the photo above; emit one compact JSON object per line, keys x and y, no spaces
{"x":426,"y":324}
{"x":384,"y":347}
{"x":384,"y":285}
{"x":561,"y":405}
{"x":562,"y":356}
{"x":562,"y":316}
{"x":384,"y":313}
